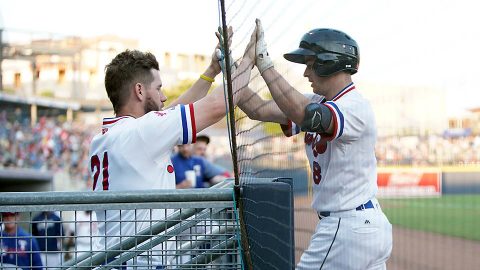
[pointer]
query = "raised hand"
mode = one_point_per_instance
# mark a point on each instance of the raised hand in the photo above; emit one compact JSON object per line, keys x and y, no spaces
{"x":249,"y":53}
{"x":217,"y":55}
{"x":262,"y":59}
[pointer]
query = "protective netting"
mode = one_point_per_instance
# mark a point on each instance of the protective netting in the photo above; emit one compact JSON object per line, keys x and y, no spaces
{"x":420,"y":152}
{"x":262,"y":149}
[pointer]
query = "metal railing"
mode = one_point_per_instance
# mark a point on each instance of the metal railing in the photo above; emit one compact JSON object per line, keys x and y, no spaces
{"x":162,"y":229}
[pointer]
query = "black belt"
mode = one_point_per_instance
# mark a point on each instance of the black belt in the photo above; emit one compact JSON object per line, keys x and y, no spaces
{"x":367,"y":205}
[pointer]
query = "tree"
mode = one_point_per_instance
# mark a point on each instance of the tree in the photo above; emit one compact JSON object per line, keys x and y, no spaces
{"x":172,"y":93}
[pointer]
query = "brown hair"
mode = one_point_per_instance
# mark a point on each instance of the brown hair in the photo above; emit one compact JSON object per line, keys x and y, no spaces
{"x":126,"y":69}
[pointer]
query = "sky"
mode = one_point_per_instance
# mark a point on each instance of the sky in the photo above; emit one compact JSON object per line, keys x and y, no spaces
{"x":424,"y":43}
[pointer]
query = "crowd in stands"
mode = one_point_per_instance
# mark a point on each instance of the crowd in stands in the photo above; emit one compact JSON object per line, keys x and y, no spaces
{"x":53,"y":145}
{"x":431,"y":150}
{"x":49,"y":145}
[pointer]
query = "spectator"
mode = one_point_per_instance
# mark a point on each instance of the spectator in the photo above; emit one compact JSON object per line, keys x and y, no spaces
{"x":190,"y":169}
{"x":18,"y":247}
{"x":200,"y":147}
{"x":48,"y":230}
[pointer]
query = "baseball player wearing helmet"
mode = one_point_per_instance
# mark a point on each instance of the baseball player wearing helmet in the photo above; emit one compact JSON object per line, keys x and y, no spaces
{"x":133,"y":150}
{"x":340,"y":136}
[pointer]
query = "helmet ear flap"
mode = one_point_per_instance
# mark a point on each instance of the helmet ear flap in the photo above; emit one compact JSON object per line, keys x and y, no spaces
{"x":317,"y":67}
{"x":322,"y":65}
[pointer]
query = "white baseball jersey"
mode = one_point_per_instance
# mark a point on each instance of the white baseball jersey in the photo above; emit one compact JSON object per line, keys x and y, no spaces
{"x":344,"y":164}
{"x":349,"y":236}
{"x":134,"y":154}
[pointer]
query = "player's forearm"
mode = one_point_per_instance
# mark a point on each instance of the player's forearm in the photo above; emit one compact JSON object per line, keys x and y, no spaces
{"x":259,"y":109}
{"x":290,"y":101}
{"x":198,"y":90}
{"x":212,"y":108}
{"x":250,"y":102}
{"x":240,"y":80}
{"x":253,"y":105}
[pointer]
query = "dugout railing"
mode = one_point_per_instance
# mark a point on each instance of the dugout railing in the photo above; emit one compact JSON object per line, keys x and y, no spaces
{"x":197,"y":228}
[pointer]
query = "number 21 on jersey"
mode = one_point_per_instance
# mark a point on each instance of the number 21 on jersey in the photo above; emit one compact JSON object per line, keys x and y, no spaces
{"x":95,"y":167}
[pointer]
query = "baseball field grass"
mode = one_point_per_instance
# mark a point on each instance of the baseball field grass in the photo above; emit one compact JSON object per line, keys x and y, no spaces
{"x":454,"y":215}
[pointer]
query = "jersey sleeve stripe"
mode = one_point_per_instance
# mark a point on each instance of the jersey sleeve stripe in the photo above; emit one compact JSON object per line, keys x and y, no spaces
{"x":290,"y":129}
{"x":287,"y":129}
{"x":192,"y":119}
{"x":335,"y":124}
{"x":108,"y":121}
{"x":184,"y":124}
{"x":295,"y":128}
{"x":337,"y":118}
{"x":345,"y":90}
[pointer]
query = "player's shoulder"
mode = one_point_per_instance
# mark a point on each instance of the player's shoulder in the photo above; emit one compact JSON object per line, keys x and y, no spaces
{"x":95,"y":138}
{"x":351,"y":98}
{"x":115,"y":125}
{"x":314,"y":97}
{"x":162,"y":115}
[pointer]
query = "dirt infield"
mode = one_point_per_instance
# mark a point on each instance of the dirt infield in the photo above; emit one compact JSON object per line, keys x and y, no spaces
{"x":412,"y":249}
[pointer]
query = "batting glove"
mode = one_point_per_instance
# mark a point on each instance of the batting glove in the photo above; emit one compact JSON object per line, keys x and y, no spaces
{"x":221,"y":59}
{"x":262,"y":59}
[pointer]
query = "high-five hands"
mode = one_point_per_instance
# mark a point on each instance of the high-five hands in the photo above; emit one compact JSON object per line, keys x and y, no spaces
{"x":262,"y":59}
{"x":218,"y":56}
{"x":249,"y":53}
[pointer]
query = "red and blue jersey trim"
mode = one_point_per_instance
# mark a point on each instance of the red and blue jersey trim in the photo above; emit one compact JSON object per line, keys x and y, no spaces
{"x":345,"y":90}
{"x":337,"y":115}
{"x":338,"y":120}
{"x":290,"y":129}
{"x":189,"y":135}
{"x":113,"y":120}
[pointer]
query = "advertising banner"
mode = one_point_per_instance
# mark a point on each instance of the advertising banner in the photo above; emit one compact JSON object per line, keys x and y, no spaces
{"x":409,"y":183}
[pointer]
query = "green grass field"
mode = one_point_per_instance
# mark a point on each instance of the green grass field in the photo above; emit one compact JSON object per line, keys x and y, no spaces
{"x":454,"y":215}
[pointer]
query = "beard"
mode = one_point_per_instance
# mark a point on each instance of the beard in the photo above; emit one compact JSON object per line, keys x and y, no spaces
{"x":150,"y":105}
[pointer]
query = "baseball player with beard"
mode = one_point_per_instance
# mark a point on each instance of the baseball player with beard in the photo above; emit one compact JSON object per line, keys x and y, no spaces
{"x":133,"y":150}
{"x":340,"y":136}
